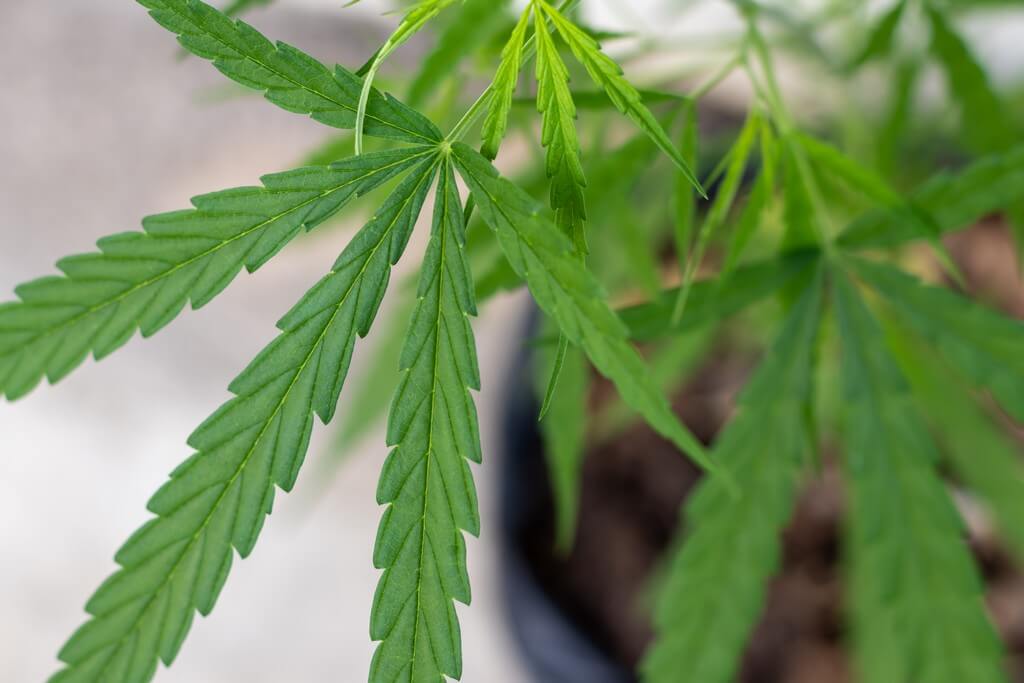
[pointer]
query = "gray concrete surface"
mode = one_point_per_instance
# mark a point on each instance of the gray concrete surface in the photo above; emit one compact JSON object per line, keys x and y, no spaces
{"x":100,"y":125}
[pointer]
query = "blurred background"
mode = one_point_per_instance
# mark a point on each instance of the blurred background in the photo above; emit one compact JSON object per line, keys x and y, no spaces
{"x":103,"y":122}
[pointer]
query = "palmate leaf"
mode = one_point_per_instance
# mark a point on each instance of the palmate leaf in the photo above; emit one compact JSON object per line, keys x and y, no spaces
{"x":566,"y":291}
{"x":217,"y":500}
{"x":916,"y":599}
{"x":608,"y":75}
{"x":978,"y":449}
{"x":504,"y":87}
{"x":558,"y":135}
{"x":984,"y":345}
{"x":142,"y":280}
{"x":426,"y":482}
{"x":954,"y":201}
{"x":288,"y":77}
{"x":716,"y":580}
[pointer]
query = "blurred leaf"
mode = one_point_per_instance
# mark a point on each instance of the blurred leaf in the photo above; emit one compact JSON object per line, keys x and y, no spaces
{"x":880,"y":39}
{"x":916,"y":598}
{"x":711,"y":300}
{"x":475,"y":24}
{"x":954,"y":200}
{"x":563,"y":430}
{"x":980,"y":451}
{"x":984,"y":121}
{"x":732,"y":548}
{"x":720,"y":206}
{"x":983,"y":344}
{"x":757,"y":205}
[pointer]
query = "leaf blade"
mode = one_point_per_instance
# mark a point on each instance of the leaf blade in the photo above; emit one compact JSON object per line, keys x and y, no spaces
{"x":139,"y":281}
{"x":433,"y":428}
{"x":216,"y":502}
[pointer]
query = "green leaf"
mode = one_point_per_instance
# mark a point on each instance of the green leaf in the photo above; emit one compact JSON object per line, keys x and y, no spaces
{"x":142,"y":280}
{"x":426,"y":482}
{"x":738,"y":156}
{"x":566,"y":291}
{"x":954,"y":200}
{"x":916,"y":600}
{"x":475,"y":24}
{"x":558,"y":135}
{"x":983,"y":344}
{"x":799,"y":212}
{"x":757,"y":205}
{"x":217,"y":500}
{"x":980,"y":451}
{"x":712,"y":300}
{"x":880,"y":39}
{"x":563,"y":430}
{"x":608,"y":75}
{"x":875,"y":188}
{"x":685,"y":199}
{"x":237,"y":7}
{"x":717,"y":578}
{"x":288,"y":77}
{"x":504,"y":87}
{"x":984,"y":120}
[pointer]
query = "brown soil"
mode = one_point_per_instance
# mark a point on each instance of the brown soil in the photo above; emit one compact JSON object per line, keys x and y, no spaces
{"x":634,"y":485}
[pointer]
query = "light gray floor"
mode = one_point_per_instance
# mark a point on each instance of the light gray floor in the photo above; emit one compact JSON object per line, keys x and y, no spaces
{"x":99,"y":126}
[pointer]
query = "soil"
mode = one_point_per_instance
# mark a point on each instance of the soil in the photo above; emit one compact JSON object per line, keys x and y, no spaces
{"x":634,"y":484}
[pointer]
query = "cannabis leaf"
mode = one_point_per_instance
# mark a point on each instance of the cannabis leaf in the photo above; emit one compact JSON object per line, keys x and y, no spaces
{"x":426,"y":482}
{"x":916,"y":598}
{"x":952,"y":200}
{"x":981,"y":343}
{"x":558,"y":134}
{"x":566,"y":291}
{"x":737,"y":159}
{"x":218,"y":499}
{"x":288,"y":77}
{"x":142,"y":280}
{"x":880,"y":39}
{"x":503,"y":88}
{"x":608,"y":75}
{"x":758,"y":202}
{"x":712,"y":299}
{"x":717,"y":578}
{"x":976,"y":446}
{"x":985,"y":121}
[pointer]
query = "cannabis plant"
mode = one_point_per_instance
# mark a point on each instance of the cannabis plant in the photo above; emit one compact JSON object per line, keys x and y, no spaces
{"x":634,"y":223}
